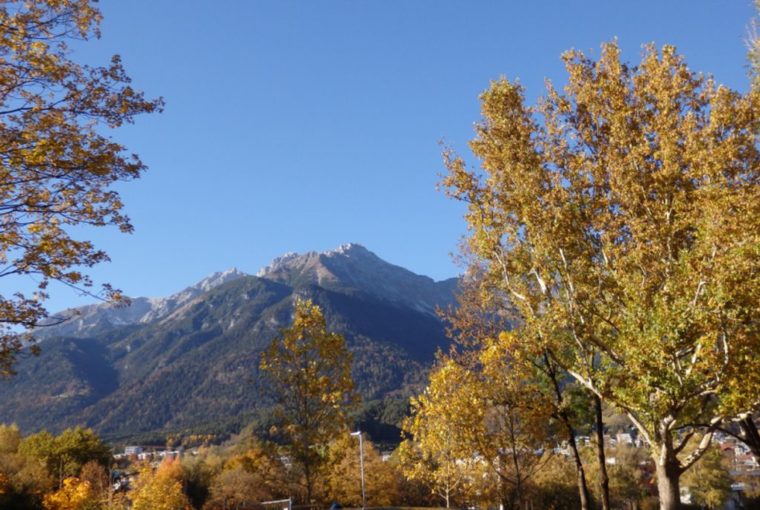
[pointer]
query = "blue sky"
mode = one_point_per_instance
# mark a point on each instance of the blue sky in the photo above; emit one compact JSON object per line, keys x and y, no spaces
{"x":301,"y":125}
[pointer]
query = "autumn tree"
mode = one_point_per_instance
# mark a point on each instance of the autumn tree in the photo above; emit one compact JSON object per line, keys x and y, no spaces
{"x":709,"y":482}
{"x":433,"y":453}
{"x":554,"y":486}
{"x":344,"y":477}
{"x":478,"y":320}
{"x":628,"y":475}
{"x":247,"y":478}
{"x":159,"y":489}
{"x":470,"y":418}
{"x":75,"y":494}
{"x":620,"y":219}
{"x":24,"y":479}
{"x":308,"y":369}
{"x":99,"y":479}
{"x":745,"y":421}
{"x":10,"y":438}
{"x":57,"y":163}
{"x":64,"y":455}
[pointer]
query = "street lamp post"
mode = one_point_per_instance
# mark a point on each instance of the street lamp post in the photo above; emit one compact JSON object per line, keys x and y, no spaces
{"x":361,"y":462}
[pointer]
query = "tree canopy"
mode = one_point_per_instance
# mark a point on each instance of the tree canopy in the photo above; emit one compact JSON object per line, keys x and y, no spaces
{"x":620,"y":218}
{"x":57,"y":165}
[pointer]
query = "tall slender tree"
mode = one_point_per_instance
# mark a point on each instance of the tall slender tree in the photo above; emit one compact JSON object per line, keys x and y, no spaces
{"x":309,"y":371}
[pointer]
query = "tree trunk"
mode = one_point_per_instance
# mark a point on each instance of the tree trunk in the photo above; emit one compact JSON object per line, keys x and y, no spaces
{"x":604,"y":480}
{"x":565,"y":418}
{"x":309,"y":483}
{"x":582,"y":485}
{"x":668,"y":475}
{"x":751,"y":437}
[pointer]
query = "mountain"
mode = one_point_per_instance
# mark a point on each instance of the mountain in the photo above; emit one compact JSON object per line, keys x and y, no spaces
{"x":353,"y":267}
{"x":189,"y":362}
{"x":91,"y":320}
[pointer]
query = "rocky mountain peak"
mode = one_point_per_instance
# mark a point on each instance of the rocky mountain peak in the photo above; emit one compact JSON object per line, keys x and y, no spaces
{"x":352,"y":266}
{"x":350,"y":249}
{"x":218,"y":278}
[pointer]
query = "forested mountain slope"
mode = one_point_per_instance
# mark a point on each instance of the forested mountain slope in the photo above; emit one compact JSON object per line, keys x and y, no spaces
{"x":189,"y":362}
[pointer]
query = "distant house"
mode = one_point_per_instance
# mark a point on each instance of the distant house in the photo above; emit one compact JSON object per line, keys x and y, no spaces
{"x":133,"y":450}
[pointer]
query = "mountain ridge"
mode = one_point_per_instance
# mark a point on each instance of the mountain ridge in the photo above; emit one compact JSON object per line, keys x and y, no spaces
{"x":192,"y":362}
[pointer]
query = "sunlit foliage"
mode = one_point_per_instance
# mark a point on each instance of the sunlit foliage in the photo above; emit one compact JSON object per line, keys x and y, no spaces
{"x":57,"y":165}
{"x":309,"y":370}
{"x":620,"y":219}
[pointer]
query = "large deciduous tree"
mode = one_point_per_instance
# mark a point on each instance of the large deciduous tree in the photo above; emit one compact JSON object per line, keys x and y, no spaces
{"x":309,"y":370}
{"x":621,"y":219}
{"x":57,"y":165}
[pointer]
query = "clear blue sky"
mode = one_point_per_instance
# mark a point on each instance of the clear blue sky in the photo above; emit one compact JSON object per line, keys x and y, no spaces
{"x":301,"y":125}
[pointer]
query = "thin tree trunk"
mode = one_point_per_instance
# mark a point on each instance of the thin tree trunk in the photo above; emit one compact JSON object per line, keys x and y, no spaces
{"x":604,"y":480}
{"x":565,"y":418}
{"x":582,"y":485}
{"x":516,"y":463}
{"x":309,"y":483}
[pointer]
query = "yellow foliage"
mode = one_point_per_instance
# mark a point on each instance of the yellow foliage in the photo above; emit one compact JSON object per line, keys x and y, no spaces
{"x":618,"y":221}
{"x":344,"y":475}
{"x":58,"y":166}
{"x":471,"y":421}
{"x":75,"y":494}
{"x":160,"y":490}
{"x":309,"y":371}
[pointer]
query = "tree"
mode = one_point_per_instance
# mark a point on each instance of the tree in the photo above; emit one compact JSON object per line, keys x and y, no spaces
{"x":628,"y":476}
{"x":480,"y":317}
{"x":160,"y":489}
{"x":57,"y":166}
{"x":247,"y":478}
{"x":555,"y":486}
{"x":10,"y":438}
{"x":75,"y":494}
{"x":235,"y":488}
{"x":24,"y":479}
{"x":623,"y":226}
{"x":309,"y":371}
{"x":745,"y":421}
{"x":467,"y":418}
{"x":65,"y":455}
{"x":198,"y":477}
{"x":99,"y":480}
{"x":344,"y":476}
{"x":709,"y":482}
{"x":435,"y":453}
